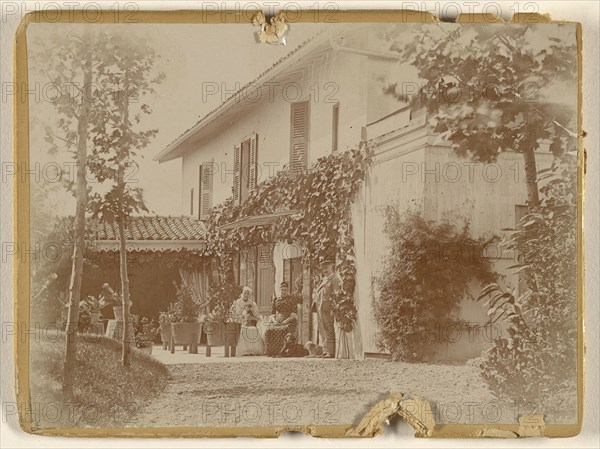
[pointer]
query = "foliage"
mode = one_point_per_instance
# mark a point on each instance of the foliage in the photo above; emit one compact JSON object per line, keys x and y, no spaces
{"x":344,"y":309}
{"x":538,"y":355}
{"x":222,"y":295}
{"x":185,"y":308}
{"x":482,"y":81}
{"x":165,"y":318}
{"x":92,"y":304}
{"x":322,"y":197}
{"x":50,"y":274}
{"x":128,"y":73}
{"x":85,"y":319}
{"x":145,"y":333}
{"x":428,"y":271}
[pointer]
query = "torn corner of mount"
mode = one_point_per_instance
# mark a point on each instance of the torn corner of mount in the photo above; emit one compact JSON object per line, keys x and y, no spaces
{"x":271,"y":32}
{"x":417,"y":413}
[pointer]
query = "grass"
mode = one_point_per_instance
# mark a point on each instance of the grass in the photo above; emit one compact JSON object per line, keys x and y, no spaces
{"x":106,"y":394}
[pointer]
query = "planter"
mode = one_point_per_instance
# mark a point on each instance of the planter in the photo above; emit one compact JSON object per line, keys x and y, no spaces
{"x":187,"y":334}
{"x":94,"y":318}
{"x":222,"y":334}
{"x":118,"y":311}
{"x":165,"y":335}
{"x":146,"y":347}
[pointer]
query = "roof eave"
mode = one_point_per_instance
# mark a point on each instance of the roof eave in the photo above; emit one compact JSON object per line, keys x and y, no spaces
{"x":173,"y":150}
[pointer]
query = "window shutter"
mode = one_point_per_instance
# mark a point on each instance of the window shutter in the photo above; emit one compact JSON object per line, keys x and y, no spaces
{"x":252,"y":172}
{"x":192,"y":202}
{"x":236,"y":173}
{"x":299,"y":137}
{"x":206,"y":190}
{"x":335,"y":127}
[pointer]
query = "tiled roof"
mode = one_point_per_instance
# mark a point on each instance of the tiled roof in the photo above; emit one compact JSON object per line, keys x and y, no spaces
{"x":152,"y":228}
{"x":256,"y":80}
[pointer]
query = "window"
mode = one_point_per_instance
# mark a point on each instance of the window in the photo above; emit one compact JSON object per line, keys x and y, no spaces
{"x":192,"y":202}
{"x":335,"y":127}
{"x":299,"y":137}
{"x":292,"y":274}
{"x":245,"y":159}
{"x":205,"y":189}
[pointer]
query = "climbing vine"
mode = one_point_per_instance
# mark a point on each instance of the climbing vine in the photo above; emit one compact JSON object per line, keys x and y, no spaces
{"x":321,"y":198}
{"x":428,"y":270}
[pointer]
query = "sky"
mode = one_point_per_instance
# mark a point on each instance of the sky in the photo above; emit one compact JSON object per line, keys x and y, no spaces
{"x":193,"y":57}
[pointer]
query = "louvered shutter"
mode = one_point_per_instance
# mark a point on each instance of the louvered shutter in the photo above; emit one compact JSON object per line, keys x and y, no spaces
{"x":206,"y":190}
{"x":236,"y":173}
{"x":299,"y":137}
{"x":252,"y":170}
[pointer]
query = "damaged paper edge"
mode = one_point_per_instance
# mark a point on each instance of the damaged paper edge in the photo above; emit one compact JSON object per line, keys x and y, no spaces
{"x":419,"y":415}
{"x":372,"y":423}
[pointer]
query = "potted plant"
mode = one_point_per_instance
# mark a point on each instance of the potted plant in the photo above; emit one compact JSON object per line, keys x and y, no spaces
{"x":93,"y":306}
{"x":219,"y":326}
{"x":109,"y":296}
{"x":145,"y":335}
{"x":186,"y":328}
{"x":164,"y":326}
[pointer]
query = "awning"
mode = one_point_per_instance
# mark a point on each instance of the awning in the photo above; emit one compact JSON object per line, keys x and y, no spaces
{"x":258,"y":220}
{"x":150,"y":233}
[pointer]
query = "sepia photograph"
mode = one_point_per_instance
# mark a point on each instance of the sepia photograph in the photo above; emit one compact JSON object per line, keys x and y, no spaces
{"x":236,"y":227}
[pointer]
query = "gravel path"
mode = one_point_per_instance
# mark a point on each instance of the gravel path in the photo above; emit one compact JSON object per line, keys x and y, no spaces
{"x":314,"y":392}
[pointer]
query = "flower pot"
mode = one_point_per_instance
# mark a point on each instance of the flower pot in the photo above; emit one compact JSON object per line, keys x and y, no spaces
{"x":118,"y":311}
{"x":94,"y":318}
{"x":222,"y":334}
{"x":165,"y":335}
{"x":186,"y":334}
{"x":146,"y":347}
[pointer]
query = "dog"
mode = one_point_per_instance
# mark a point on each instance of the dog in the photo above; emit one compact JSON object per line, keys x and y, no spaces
{"x":291,"y":348}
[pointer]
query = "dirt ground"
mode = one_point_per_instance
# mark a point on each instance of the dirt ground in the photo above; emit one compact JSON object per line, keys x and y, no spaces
{"x":315,"y":392}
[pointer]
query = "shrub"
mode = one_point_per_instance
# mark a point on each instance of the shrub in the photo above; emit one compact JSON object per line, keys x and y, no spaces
{"x":537,"y":357}
{"x":184,"y":309}
{"x":222,"y":295}
{"x":429,"y":269}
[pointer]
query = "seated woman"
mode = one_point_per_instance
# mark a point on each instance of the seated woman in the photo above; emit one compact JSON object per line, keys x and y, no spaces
{"x":286,"y":321}
{"x":245,"y":311}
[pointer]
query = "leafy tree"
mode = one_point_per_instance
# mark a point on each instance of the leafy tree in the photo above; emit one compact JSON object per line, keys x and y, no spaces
{"x":85,"y":95}
{"x":487,"y":87}
{"x":68,"y":60}
{"x":128,"y":66}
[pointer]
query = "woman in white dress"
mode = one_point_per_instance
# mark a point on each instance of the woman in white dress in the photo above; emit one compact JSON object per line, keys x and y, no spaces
{"x":245,"y":311}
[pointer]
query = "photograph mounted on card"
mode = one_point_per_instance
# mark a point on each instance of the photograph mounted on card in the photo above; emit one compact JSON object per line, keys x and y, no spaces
{"x":247,"y":224}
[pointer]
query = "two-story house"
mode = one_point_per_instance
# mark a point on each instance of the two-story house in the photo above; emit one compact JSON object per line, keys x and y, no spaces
{"x":325,"y":96}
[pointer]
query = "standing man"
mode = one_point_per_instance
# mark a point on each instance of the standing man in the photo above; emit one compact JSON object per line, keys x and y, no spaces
{"x":324,"y":302}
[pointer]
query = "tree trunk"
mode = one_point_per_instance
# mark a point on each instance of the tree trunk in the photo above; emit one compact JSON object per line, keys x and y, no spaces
{"x":533,"y":197}
{"x":78,"y":246}
{"x":127,"y":337}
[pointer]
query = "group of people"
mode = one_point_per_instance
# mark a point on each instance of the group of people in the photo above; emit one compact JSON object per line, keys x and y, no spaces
{"x":280,"y":334}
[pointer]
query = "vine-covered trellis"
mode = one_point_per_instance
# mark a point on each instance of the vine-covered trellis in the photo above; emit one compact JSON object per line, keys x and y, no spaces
{"x":322,"y":197}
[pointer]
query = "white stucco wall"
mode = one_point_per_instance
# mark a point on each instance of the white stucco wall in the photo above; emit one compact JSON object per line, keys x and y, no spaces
{"x":338,"y":80}
{"x":412,"y":168}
